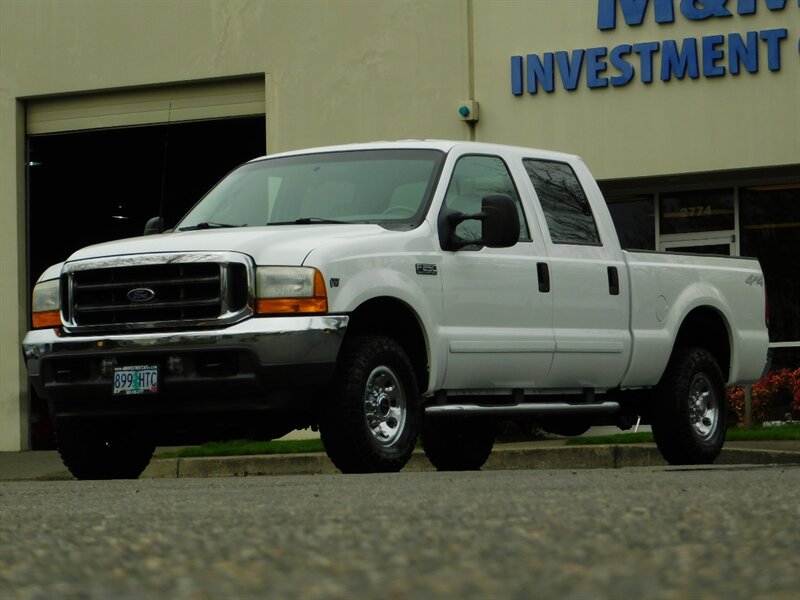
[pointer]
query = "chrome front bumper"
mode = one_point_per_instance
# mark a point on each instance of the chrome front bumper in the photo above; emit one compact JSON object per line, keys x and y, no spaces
{"x":276,"y":341}
{"x":269,"y":352}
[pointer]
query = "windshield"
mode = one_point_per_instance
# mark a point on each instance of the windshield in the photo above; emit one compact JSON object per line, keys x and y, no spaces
{"x":387,"y":187}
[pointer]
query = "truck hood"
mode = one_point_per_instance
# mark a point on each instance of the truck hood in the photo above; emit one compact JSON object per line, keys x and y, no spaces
{"x":273,"y":245}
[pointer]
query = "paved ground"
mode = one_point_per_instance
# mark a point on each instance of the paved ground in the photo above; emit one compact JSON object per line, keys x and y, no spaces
{"x":714,"y":532}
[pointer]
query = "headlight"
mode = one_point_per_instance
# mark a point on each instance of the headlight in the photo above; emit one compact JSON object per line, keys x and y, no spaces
{"x":45,"y":304}
{"x":290,"y":290}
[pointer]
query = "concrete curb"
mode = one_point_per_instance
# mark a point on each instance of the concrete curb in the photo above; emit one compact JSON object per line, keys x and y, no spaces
{"x":561,"y":457}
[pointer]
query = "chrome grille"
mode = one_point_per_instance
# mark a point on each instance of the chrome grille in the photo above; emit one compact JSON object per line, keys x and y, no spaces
{"x":145,"y":292}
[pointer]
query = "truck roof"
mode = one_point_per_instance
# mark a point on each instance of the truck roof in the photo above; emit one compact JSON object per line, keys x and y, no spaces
{"x":441,"y":145}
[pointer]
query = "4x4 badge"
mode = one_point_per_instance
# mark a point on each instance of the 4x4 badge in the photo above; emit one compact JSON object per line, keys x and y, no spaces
{"x":755,"y":279}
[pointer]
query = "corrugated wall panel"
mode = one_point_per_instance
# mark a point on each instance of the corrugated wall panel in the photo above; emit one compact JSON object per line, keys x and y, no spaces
{"x":146,"y":106}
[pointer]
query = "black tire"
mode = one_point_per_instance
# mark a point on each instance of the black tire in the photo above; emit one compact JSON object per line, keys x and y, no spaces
{"x":371,"y":421}
{"x":457,"y":444}
{"x":690,"y":409}
{"x":569,"y":426}
{"x":99,"y":449}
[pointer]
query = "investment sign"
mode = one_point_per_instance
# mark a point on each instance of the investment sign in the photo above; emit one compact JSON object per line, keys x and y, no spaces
{"x":715,"y":55}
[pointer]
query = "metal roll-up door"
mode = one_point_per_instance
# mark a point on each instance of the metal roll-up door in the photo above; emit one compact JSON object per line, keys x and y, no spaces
{"x":147,"y":106}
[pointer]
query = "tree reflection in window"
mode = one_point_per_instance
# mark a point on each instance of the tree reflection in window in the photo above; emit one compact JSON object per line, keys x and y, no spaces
{"x":566,"y":208}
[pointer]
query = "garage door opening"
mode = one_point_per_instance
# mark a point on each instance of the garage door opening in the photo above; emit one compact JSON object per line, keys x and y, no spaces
{"x":94,"y":186}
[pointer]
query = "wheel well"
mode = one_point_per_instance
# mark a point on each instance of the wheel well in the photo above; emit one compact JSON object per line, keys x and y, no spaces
{"x":705,"y":328}
{"x":394,"y":319}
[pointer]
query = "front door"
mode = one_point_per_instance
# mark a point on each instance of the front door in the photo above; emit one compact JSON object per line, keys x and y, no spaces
{"x":497,"y":323}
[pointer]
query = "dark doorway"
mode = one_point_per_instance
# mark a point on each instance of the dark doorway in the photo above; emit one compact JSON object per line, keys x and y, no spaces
{"x":94,"y":186}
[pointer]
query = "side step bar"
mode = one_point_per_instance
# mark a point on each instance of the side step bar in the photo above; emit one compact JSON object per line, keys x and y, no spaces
{"x":543,"y":408}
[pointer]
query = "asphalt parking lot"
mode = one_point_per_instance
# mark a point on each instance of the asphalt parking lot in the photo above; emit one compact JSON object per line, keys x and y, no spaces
{"x":655,"y":532}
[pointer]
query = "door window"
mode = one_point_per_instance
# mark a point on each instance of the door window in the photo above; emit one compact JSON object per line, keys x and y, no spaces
{"x":473,"y":178}
{"x":770,"y":221}
{"x":565,"y":205}
{"x":699,"y":210}
{"x":634,"y":219}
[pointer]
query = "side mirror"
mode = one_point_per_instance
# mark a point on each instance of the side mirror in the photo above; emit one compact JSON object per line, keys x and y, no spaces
{"x":499,"y":219}
{"x":154,"y":225}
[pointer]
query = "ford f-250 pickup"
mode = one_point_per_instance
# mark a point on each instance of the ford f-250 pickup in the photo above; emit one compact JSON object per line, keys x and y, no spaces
{"x":383,"y":292}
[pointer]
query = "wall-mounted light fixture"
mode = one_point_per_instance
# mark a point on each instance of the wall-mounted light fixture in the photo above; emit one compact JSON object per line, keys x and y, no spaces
{"x":468,"y":110}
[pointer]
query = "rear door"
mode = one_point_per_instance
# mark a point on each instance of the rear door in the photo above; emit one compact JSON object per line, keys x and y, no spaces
{"x":588,"y":279}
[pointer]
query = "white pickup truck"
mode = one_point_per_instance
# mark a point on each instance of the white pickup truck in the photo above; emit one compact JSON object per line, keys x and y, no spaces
{"x":383,"y":292}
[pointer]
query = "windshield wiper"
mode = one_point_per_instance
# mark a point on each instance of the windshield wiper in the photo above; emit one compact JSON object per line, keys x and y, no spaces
{"x":208,"y":225}
{"x":311,"y":221}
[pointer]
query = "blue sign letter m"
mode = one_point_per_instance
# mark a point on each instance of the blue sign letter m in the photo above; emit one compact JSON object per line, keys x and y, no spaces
{"x":633,"y":11}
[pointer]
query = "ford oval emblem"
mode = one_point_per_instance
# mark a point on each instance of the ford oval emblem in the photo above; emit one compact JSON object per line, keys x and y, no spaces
{"x":141,"y":295}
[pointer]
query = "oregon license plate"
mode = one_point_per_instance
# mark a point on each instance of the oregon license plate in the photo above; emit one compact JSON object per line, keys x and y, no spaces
{"x":140,"y":379}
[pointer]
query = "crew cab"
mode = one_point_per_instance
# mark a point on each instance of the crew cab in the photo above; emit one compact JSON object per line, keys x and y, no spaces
{"x":386,"y":291}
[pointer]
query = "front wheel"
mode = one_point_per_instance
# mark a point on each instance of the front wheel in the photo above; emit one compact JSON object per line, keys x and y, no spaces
{"x":371,"y":422}
{"x":103,"y":449}
{"x":690,"y":410}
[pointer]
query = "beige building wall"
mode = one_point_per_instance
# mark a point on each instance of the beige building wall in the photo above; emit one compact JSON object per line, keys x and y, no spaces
{"x":340,"y":71}
{"x":13,"y":317}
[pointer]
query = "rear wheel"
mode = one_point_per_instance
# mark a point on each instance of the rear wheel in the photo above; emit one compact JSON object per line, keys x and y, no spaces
{"x":101,"y":449}
{"x":460,"y":444}
{"x":690,"y":409}
{"x":370,"y":424}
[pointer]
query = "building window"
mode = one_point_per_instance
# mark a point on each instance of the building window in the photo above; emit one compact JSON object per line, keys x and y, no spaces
{"x":695,"y":211}
{"x":566,"y":208}
{"x":634,"y":219}
{"x":770,"y":231}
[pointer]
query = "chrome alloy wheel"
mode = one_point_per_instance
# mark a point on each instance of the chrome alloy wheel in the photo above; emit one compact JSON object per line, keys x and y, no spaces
{"x":703,"y":408}
{"x":385,"y":406}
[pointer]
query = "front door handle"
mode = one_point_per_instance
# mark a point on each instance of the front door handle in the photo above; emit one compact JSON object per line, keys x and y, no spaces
{"x":543,"y":272}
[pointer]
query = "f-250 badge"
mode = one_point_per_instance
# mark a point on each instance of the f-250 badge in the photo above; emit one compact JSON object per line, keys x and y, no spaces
{"x":426,"y":269}
{"x":755,"y":280}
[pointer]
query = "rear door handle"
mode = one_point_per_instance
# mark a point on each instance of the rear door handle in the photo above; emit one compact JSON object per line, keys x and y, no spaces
{"x":543,"y":272}
{"x":613,"y":281}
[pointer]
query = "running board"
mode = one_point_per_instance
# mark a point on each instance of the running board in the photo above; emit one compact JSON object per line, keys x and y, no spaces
{"x":543,"y":408}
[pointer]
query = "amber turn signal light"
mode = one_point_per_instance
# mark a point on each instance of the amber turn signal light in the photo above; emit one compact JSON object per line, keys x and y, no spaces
{"x":48,"y":318}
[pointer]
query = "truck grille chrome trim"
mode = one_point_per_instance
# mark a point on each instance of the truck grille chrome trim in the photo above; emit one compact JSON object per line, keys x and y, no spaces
{"x":165,"y":291}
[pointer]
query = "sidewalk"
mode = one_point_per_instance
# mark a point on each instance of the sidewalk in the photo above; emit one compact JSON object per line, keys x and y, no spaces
{"x":550,"y":454}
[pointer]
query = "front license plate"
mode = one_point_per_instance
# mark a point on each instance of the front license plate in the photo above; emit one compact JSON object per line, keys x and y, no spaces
{"x":140,"y":379}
